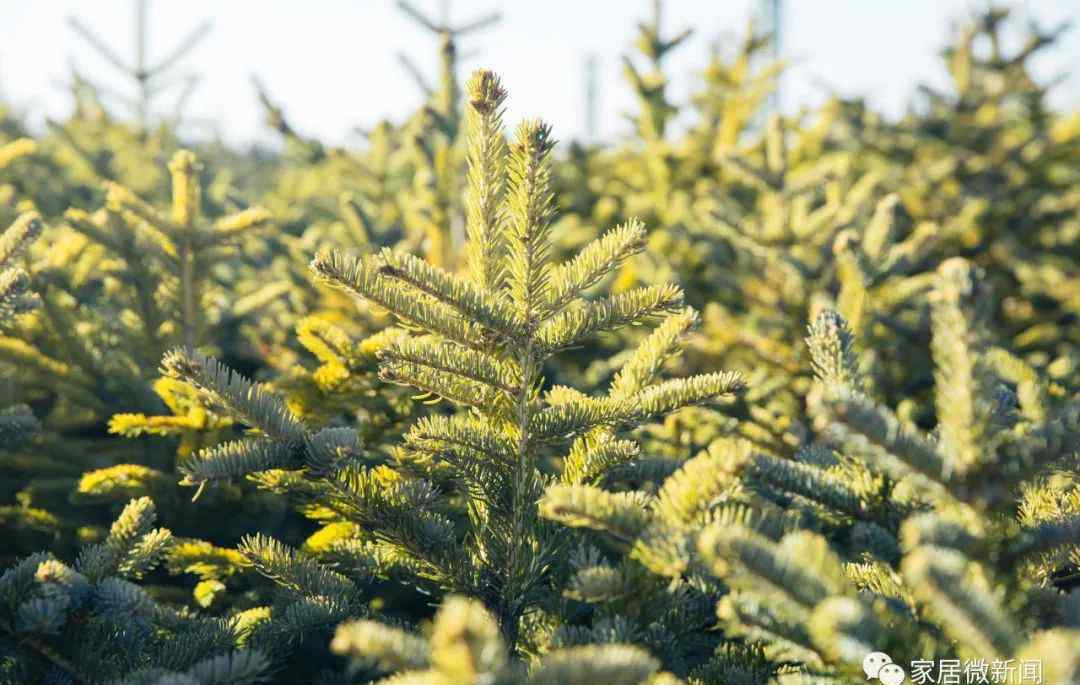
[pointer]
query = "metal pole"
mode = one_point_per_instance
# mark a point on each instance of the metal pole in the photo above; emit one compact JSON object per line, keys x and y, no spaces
{"x":592,"y":95}
{"x":771,"y":17}
{"x":141,"y":69}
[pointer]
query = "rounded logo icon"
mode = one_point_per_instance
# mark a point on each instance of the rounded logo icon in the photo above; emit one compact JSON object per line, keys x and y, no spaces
{"x":891,"y":674}
{"x":872,"y":663}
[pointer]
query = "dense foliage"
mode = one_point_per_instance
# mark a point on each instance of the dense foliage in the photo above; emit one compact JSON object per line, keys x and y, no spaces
{"x":741,"y":398}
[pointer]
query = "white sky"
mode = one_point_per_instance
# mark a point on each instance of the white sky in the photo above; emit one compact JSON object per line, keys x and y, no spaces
{"x":333,"y":62}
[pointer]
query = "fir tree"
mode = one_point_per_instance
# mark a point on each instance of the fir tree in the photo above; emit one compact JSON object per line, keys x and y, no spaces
{"x":150,"y":78}
{"x":118,"y":287}
{"x":156,"y":270}
{"x":457,"y":459}
{"x":878,"y":537}
{"x":18,"y":422}
{"x":989,"y":161}
{"x":433,"y":212}
{"x":466,"y":646}
{"x":92,"y":622}
{"x":455,"y":509}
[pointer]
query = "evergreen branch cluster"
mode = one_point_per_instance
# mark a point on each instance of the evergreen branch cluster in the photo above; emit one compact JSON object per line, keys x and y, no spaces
{"x":480,"y":341}
{"x":90,"y":622}
{"x":116,"y":288}
{"x":877,"y":537}
{"x":16,"y":298}
{"x":740,"y":401}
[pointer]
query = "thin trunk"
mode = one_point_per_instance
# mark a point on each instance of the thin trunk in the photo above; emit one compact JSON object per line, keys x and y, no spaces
{"x":509,"y":613}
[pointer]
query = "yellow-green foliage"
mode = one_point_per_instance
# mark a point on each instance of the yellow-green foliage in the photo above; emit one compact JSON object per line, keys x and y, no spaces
{"x":737,"y":398}
{"x":453,"y":508}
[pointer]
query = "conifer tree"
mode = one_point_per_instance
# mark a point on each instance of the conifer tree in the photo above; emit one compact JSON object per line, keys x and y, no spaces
{"x":324,"y":358}
{"x":465,"y":646}
{"x":656,"y":110}
{"x":432,"y":214}
{"x":795,"y":232}
{"x":402,"y":189}
{"x":659,"y":175}
{"x":150,"y":78}
{"x":455,"y":508}
{"x":156,"y":271}
{"x":721,"y":222}
{"x":92,"y":622}
{"x":117,"y":288}
{"x":457,"y":459}
{"x":320,"y":196}
{"x":993,"y":165}
{"x":17,"y":422}
{"x":877,"y":537}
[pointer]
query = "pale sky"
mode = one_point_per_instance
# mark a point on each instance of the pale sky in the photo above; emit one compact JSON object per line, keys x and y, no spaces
{"x":333,"y":62}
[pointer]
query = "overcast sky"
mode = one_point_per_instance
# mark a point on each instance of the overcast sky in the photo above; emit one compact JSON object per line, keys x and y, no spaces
{"x":333,"y":62}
